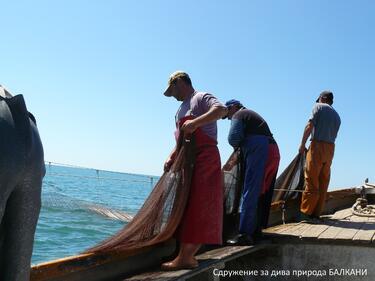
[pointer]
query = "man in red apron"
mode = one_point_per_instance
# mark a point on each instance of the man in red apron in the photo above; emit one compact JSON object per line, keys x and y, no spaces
{"x":202,"y":219}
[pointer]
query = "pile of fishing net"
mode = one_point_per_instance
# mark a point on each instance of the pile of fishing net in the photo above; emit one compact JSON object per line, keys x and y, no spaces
{"x":160,"y":215}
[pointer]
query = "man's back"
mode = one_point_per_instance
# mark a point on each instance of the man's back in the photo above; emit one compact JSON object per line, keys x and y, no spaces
{"x":254,"y":124}
{"x":326,"y":123}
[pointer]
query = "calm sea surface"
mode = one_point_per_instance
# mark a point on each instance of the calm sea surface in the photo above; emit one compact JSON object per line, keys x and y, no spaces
{"x":66,"y":224}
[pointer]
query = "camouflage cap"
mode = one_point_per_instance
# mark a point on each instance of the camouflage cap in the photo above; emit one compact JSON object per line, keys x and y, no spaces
{"x":175,"y":76}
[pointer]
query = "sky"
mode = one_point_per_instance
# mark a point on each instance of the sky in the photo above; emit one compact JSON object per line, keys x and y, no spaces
{"x":93,"y":74}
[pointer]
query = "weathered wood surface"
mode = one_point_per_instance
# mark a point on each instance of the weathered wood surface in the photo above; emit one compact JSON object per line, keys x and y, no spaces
{"x":284,"y":228}
{"x":315,"y":230}
{"x":95,"y":267}
{"x":208,"y":261}
{"x":342,"y":226}
{"x":367,"y":232}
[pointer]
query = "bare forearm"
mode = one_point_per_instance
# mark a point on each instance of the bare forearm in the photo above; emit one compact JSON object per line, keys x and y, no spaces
{"x":172,"y":155}
{"x":306,"y":133}
{"x":212,"y":115}
{"x":168,"y":163}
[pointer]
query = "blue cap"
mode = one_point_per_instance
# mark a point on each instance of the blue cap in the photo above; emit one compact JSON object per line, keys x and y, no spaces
{"x":232,"y":102}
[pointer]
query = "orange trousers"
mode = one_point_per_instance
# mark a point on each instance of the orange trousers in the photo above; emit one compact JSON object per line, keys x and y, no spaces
{"x":317,"y":175}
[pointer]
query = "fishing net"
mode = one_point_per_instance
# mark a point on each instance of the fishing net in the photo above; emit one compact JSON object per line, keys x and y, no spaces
{"x":290,"y":183}
{"x":162,"y":211}
{"x":288,"y":186}
{"x":58,"y":201}
{"x":160,"y":215}
{"x":233,"y":182}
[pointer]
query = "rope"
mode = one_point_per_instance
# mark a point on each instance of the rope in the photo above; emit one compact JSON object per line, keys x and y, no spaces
{"x":97,"y":177}
{"x":277,"y":189}
{"x":88,"y":168}
{"x":361,"y":209}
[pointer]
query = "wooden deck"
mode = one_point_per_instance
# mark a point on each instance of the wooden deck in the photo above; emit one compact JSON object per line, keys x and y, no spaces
{"x":208,"y":260}
{"x":341,"y":227}
{"x":96,"y":267}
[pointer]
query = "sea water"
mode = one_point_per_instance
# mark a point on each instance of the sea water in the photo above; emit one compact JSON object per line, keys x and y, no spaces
{"x":66,"y":226}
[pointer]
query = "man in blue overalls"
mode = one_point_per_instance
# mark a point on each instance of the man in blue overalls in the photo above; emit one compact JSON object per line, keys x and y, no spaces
{"x":260,"y":161}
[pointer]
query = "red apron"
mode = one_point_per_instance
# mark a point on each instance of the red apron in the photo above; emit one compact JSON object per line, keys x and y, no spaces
{"x":272,"y":166}
{"x":202,"y":221}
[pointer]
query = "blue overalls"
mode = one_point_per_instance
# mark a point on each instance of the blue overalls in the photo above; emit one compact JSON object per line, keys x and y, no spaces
{"x":254,"y":150}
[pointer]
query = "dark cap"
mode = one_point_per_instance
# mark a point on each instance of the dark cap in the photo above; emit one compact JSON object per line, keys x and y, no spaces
{"x":328,"y":95}
{"x":174,"y":76}
{"x":233,"y":102}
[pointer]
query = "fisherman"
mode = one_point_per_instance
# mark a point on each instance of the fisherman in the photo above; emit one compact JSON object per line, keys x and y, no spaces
{"x":323,"y":127}
{"x":202,"y":219}
{"x":260,"y":161}
{"x":22,"y":170}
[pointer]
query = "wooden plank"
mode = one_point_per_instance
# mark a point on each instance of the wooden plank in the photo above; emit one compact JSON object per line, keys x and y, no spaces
{"x":304,"y":228}
{"x":350,"y":229}
{"x":277,"y":230}
{"x":366,"y":233}
{"x":295,"y":230}
{"x":212,"y":259}
{"x":101,"y":266}
{"x":331,"y":231}
{"x":223,"y":252}
{"x":371,"y":220}
{"x":315,"y":230}
{"x":158,"y":275}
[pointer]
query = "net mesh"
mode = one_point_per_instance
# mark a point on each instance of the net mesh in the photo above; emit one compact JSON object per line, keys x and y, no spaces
{"x":290,"y":182}
{"x":288,"y":186}
{"x":54,"y":200}
{"x":162,"y":211}
{"x":232,"y":184}
{"x":160,"y":215}
{"x":233,"y":181}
